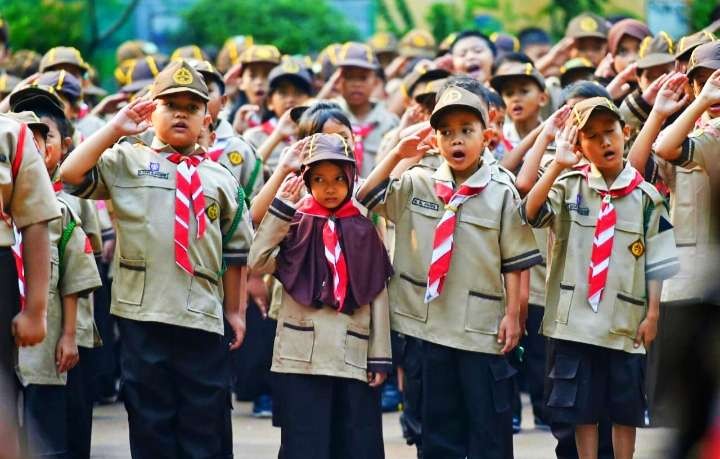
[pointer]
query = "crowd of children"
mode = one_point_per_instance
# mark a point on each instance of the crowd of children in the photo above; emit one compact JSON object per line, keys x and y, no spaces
{"x":395,"y":224}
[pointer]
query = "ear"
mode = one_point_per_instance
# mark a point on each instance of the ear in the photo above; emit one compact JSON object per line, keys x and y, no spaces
{"x":544,"y":98}
{"x":223,"y":100}
{"x":66,"y":144}
{"x":213,"y":137}
{"x":207,"y":119}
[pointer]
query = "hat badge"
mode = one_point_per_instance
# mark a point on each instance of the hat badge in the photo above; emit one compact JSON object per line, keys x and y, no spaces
{"x":263,"y":53}
{"x":291,"y":66}
{"x":419,"y":41}
{"x":182,"y":76}
{"x":588,"y":25}
{"x":382,"y":41}
{"x":451,"y":96}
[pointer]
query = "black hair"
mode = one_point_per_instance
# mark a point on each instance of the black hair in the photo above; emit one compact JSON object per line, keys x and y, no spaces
{"x":533,"y":36}
{"x":64,"y":126}
{"x":295,"y":80}
{"x":465,"y":82}
{"x":211,"y":78}
{"x":583,"y":90}
{"x":312,"y":121}
{"x":511,"y":57}
{"x":493,"y":98}
{"x":474,"y":33}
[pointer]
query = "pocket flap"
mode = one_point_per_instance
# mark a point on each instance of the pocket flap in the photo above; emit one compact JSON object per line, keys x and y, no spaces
{"x":358,"y":332}
{"x":501,"y":369}
{"x":566,"y":367}
{"x":206,"y":274}
{"x":133,"y":265}
{"x":479,"y":221}
{"x":629,"y":226}
{"x":300,"y":325}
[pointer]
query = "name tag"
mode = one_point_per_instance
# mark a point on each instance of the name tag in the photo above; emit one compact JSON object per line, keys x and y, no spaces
{"x":425,"y":204}
{"x":150,"y":173}
{"x":573,"y":207}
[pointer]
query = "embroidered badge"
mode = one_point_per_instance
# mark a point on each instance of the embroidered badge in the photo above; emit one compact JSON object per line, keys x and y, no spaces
{"x":425,"y":204}
{"x":637,"y":248}
{"x":588,"y":25}
{"x":577,"y":206}
{"x":235,"y":158}
{"x":154,"y":167}
{"x":182,"y":76}
{"x":153,"y":171}
{"x":213,"y":211}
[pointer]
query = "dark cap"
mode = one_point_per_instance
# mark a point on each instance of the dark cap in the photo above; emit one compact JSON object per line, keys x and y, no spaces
{"x":231,"y":51}
{"x":573,"y":67}
{"x":630,"y":27}
{"x":189,"y":52}
{"x":587,"y":25}
{"x":505,"y":43}
{"x":290,"y":69}
{"x":354,"y":54}
{"x":326,"y":62}
{"x":7,"y":82}
{"x":417,"y":43}
{"x":686,"y":45}
{"x":140,"y":73}
{"x":582,"y":111}
{"x":261,"y":54}
{"x":457,"y":97}
{"x":62,"y":55}
{"x":36,"y":95}
{"x":383,"y":42}
{"x":429,"y":88}
{"x":327,"y":147}
{"x":134,"y":49}
{"x":421,"y":75}
{"x":705,"y":56}
{"x":513,"y":70}
{"x":654,"y":51}
{"x":179,"y":77}
{"x":64,"y":83}
{"x":297,"y":112}
{"x":30,"y":119}
{"x":23,"y":63}
{"x":208,"y":72}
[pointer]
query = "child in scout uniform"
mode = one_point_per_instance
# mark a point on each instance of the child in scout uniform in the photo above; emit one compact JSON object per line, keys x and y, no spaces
{"x":370,"y":119}
{"x":473,"y":53}
{"x":686,"y":45}
{"x":602,"y":309}
{"x":464,"y":308}
{"x":64,"y":58}
{"x":257,"y":61}
{"x":589,"y":32}
{"x":170,"y":309}
{"x":332,"y":348}
{"x":43,"y":369}
{"x":624,"y":42}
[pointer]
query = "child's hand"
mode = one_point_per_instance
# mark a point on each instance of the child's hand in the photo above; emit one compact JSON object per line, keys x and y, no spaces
{"x":555,"y":123}
{"x":414,"y":145}
{"x":620,"y":85}
{"x":236,"y":321}
{"x":605,"y":69}
{"x":375,"y":379}
{"x":672,"y":96}
{"x":650,"y":94}
{"x":413,"y":115}
{"x":66,"y":353}
{"x":509,"y":333}
{"x":28,"y":329}
{"x":286,"y":127}
{"x":289,"y":191}
{"x":243,"y":117}
{"x":110,"y":103}
{"x":566,"y":154}
{"x":291,"y":157}
{"x":710,"y":93}
{"x":134,"y":118}
{"x":258,"y":292}
{"x":647,"y":331}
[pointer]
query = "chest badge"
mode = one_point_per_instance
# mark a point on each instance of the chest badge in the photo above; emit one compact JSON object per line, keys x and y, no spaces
{"x":235,"y":158}
{"x":637,"y":249}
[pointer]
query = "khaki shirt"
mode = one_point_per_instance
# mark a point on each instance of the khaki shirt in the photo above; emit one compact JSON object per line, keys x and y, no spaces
{"x":239,"y":157}
{"x":383,"y":120}
{"x":256,"y":136}
{"x":320,"y":341}
{"x":29,"y":197}
{"x":490,"y":239}
{"x":77,"y":274}
{"x":643,"y":249}
{"x":148,"y":284}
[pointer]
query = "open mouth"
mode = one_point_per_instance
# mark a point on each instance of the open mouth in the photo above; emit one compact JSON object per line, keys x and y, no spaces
{"x":458,"y":155}
{"x":715,"y":107}
{"x":472,"y":68}
{"x":516,"y":110}
{"x":260,"y":94}
{"x":608,"y":155}
{"x":181,"y":126}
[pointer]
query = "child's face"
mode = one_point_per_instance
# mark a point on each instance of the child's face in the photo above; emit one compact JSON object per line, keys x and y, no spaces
{"x":41,"y":145}
{"x":650,"y":74}
{"x":536,"y":51}
{"x":523,"y":99}
{"x":461,"y":141}
{"x":285,"y":97}
{"x":591,"y":48}
{"x":626,"y":52}
{"x":699,"y":79}
{"x":328,"y":184}
{"x":55,"y":145}
{"x":217,"y":100}
{"x":496,"y":121}
{"x":473,"y":56}
{"x":254,"y":81}
{"x":179,"y":118}
{"x":333,"y":126}
{"x":602,"y":141}
{"x":357,"y":85}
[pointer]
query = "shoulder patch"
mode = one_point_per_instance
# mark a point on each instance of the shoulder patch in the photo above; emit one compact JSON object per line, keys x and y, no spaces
{"x":664,"y":225}
{"x":213,"y":211}
{"x":236,"y":158}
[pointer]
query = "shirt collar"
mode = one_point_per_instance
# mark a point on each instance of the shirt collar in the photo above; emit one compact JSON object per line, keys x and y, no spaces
{"x":479,"y":179}
{"x":161,"y":147}
{"x":597,"y":182}
{"x":224,"y":129}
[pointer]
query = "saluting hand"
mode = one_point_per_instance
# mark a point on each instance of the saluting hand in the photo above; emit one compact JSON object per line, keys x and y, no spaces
{"x":553,"y":125}
{"x":414,"y":145}
{"x":289,"y":191}
{"x":566,"y":153}
{"x":133,"y":118}
{"x":672,"y":96}
{"x":291,"y":157}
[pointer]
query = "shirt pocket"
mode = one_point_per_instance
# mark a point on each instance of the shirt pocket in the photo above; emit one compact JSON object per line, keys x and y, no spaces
{"x":484,"y":312}
{"x":628,"y":247}
{"x":144,"y":198}
{"x":130,"y":281}
{"x":690,"y":191}
{"x":565,"y":300}
{"x":628,"y":312}
{"x":204,"y":297}
{"x":410,"y":298}
{"x":296,"y":340}
{"x":356,"y":346}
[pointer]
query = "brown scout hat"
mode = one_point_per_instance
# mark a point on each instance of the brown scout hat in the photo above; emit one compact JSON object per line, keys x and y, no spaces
{"x":686,"y":45}
{"x":421,"y":75}
{"x":140,"y":73}
{"x":231,"y":51}
{"x":7,"y":82}
{"x":417,"y":43}
{"x":456,"y":97}
{"x":189,"y":52}
{"x":705,"y":56}
{"x":354,"y":54}
{"x":64,"y":83}
{"x":326,"y":147}
{"x":656,"y":51}
{"x":179,"y":77}
{"x":326,"y":61}
{"x":134,"y":49}
{"x":30,"y":119}
{"x":261,"y":53}
{"x":516,"y":70}
{"x":573,"y":67}
{"x":631,"y":27}
{"x":587,"y":25}
{"x":29,"y":97}
{"x":62,"y":55}
{"x":383,"y":42}
{"x":23,"y":63}
{"x":292,"y":70}
{"x":582,"y":111}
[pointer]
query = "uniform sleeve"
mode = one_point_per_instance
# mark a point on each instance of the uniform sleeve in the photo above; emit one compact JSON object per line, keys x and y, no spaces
{"x":100,"y":179}
{"x":272,"y":230}
{"x":33,"y":200}
{"x":661,"y":260}
{"x":700,"y":148}
{"x":551,"y":207}
{"x":91,"y":224}
{"x":635,"y":111}
{"x":379,"y":349}
{"x":236,"y":228}
{"x":518,"y":249}
{"x":389,"y":199}
{"x":251,"y":175}
{"x":79,"y":270}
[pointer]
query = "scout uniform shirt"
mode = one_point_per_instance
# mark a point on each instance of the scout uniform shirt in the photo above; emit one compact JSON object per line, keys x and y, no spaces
{"x":489,"y":239}
{"x":259,"y":134}
{"x":238,"y":157}
{"x":72,"y":271}
{"x":320,"y":340}
{"x":643,"y":249}
{"x":26,"y":196}
{"x":148,"y":284}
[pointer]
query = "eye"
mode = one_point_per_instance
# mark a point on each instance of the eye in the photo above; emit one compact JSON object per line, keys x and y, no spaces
{"x":341,"y":178}
{"x":467,"y":130}
{"x":445,"y":132}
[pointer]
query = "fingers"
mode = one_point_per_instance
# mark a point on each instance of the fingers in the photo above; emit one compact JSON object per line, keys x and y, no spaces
{"x":239,"y":337}
{"x":715,"y":77}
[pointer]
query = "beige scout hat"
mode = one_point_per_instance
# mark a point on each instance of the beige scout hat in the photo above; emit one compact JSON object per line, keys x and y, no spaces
{"x":687,"y":44}
{"x":705,"y":56}
{"x":30,"y":119}
{"x":354,"y":54}
{"x":231,"y":51}
{"x":456,"y":97}
{"x":587,"y":25}
{"x":656,"y":51}
{"x":62,"y":55}
{"x":516,"y":70}
{"x":261,"y":53}
{"x":582,"y":111}
{"x":327,"y":147}
{"x":383,"y":42}
{"x":179,"y":77}
{"x":418,"y":43}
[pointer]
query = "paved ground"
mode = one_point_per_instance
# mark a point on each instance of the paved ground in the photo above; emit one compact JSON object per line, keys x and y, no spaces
{"x":257,"y":439}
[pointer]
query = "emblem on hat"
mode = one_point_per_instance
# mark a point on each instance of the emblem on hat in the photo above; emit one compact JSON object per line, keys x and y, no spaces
{"x":291,"y":66}
{"x":182,"y":76}
{"x":263,"y":53}
{"x":451,"y":96}
{"x":419,"y":41}
{"x":588,"y":25}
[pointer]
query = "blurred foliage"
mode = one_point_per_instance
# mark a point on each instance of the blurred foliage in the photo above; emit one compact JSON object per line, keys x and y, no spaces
{"x":700,"y":12}
{"x":386,"y":17}
{"x":42,"y":25}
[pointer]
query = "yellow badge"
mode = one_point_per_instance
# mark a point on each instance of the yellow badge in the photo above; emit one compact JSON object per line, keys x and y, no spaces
{"x":451,"y":96}
{"x":637,"y":248}
{"x":290,"y":66}
{"x":381,"y":40}
{"x":182,"y":76}
{"x":263,"y":53}
{"x":588,"y":25}
{"x":419,"y":41}
{"x":213,"y":211}
{"x":235,"y":158}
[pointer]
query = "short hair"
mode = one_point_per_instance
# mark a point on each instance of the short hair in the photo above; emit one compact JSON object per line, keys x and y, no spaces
{"x":64,"y":126}
{"x":583,"y":90}
{"x":474,"y":33}
{"x":493,"y":98}
{"x":312,"y":121}
{"x":511,"y":57}
{"x":533,"y":36}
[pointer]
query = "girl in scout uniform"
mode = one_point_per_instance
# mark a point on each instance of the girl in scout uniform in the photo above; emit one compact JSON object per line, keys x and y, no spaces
{"x":601,"y":313}
{"x":332,"y":348}
{"x":171,"y":308}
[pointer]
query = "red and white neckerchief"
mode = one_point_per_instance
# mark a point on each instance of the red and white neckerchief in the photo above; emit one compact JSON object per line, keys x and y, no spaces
{"x":17,"y":247}
{"x":361,"y":132}
{"x":604,"y":238}
{"x":331,"y":241}
{"x":443,"y":241}
{"x":188,"y":196}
